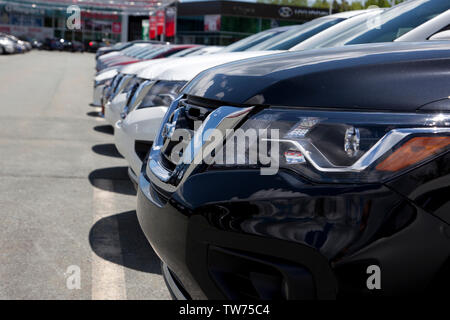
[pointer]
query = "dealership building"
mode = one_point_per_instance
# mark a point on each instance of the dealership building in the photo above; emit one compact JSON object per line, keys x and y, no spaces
{"x":223,"y":22}
{"x":48,"y":19}
{"x":202,"y":22}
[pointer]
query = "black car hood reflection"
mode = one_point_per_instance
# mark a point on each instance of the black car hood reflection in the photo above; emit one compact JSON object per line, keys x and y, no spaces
{"x":391,"y":76}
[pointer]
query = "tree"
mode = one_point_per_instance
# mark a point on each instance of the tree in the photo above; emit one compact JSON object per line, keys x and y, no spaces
{"x":357,"y":5}
{"x":378,"y":3}
{"x":321,"y":4}
{"x":336,"y":6}
{"x":384,"y":3}
{"x":345,"y":6}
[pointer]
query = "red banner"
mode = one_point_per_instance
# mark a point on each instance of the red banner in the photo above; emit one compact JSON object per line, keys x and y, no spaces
{"x":160,"y":20}
{"x":171,"y":15}
{"x":152,"y":28}
{"x":5,"y":29}
{"x":116,"y":27}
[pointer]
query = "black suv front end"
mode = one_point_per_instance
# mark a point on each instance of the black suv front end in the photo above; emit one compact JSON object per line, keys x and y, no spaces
{"x":362,"y":169}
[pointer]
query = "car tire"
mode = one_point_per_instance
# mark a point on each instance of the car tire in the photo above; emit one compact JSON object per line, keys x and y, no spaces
{"x":2,"y":50}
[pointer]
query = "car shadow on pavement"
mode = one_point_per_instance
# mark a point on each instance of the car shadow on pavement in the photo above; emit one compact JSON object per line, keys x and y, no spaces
{"x":119,"y":239}
{"x":114,"y":174}
{"x":107,"y":129}
{"x":107,"y":149}
{"x":93,"y":114}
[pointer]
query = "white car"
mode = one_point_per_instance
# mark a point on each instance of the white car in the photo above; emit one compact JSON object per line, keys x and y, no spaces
{"x":102,"y":80}
{"x":105,"y":77}
{"x":272,"y":40}
{"x":134,"y":137}
{"x":120,"y":88}
{"x":6,"y":45}
{"x":295,"y":34}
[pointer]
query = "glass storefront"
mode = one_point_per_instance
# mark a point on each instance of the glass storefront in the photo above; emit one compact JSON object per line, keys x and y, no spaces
{"x":191,"y":29}
{"x":223,"y":22}
{"x":207,"y":22}
{"x":46,"y":23}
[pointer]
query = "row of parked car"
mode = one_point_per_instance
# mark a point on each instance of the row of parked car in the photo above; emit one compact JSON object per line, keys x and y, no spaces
{"x":354,"y":112}
{"x":56,"y":44}
{"x":59,"y":44}
{"x":9,"y":44}
{"x":131,"y":52}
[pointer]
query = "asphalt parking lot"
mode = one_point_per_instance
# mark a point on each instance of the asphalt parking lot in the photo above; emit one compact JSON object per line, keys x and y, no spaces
{"x":65,"y":197}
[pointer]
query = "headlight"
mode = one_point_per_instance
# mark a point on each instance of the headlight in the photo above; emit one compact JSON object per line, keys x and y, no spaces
{"x":158,"y":93}
{"x":121,"y":84}
{"x":151,"y":93}
{"x":105,"y":82}
{"x":343,"y":147}
{"x":116,"y":81}
{"x":131,"y":83}
{"x":111,"y":88}
{"x":105,"y":77}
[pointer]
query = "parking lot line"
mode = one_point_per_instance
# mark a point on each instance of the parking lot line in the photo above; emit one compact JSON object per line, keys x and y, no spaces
{"x":108,"y":279}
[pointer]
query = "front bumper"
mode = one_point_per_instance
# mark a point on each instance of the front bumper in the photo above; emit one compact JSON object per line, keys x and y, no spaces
{"x":98,"y":95}
{"x":280,"y":237}
{"x":174,"y":288}
{"x":139,"y":128}
{"x":133,"y":177}
{"x":114,"y":108}
{"x":9,"y":49}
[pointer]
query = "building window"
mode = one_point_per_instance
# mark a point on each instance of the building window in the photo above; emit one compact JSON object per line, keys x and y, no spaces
{"x":191,"y":23}
{"x":240,"y":24}
{"x":48,"y":22}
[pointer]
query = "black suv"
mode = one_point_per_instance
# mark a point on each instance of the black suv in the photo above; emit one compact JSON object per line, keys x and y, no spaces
{"x":356,"y":203}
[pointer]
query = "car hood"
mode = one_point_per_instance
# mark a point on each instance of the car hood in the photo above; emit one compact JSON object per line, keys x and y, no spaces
{"x":123,"y":59}
{"x":106,"y":74}
{"x":116,"y":58}
{"x":186,"y":68}
{"x":105,"y":49}
{"x":135,"y":68}
{"x":109,"y":55}
{"x":393,"y":76}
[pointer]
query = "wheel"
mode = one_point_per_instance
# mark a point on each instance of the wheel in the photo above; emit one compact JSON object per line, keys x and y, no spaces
{"x":2,"y":51}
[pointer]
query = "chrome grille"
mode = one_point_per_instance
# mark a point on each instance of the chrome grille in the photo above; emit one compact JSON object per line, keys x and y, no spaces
{"x":190,"y":118}
{"x":198,"y":121}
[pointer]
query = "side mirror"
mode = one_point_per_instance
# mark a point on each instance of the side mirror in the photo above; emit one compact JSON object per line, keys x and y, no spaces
{"x":441,"y":36}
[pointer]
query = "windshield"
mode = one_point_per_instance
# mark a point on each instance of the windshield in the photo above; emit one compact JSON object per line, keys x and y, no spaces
{"x":148,"y":52}
{"x":187,"y":52}
{"x":141,"y":50}
{"x":298,"y":34}
{"x":334,"y":31}
{"x":391,"y":24}
{"x":133,"y":48}
{"x":120,"y":45}
{"x":253,"y":40}
{"x":154,"y":53}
